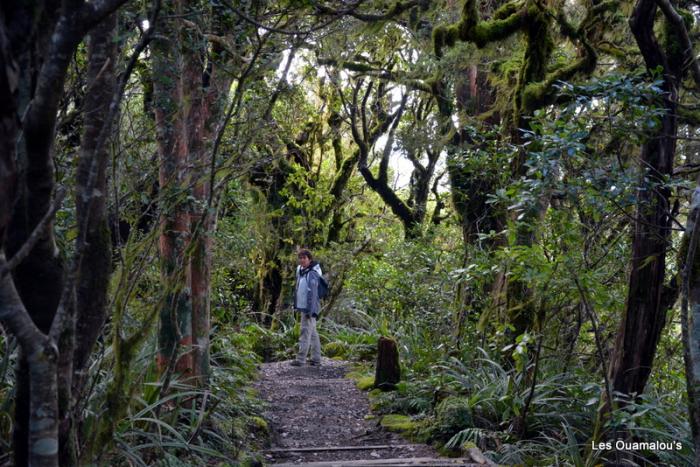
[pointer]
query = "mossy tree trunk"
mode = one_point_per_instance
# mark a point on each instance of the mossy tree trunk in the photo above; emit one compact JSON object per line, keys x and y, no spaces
{"x":469,"y":188}
{"x":171,"y":136}
{"x":534,"y":89}
{"x":208,"y":81}
{"x":271,"y":178}
{"x":344,"y":166}
{"x":647,"y":295}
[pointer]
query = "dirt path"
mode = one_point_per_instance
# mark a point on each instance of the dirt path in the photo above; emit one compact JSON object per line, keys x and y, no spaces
{"x":315,"y":407}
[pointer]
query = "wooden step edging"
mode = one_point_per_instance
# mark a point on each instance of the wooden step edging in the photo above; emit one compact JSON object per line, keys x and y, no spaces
{"x":405,"y":462}
{"x":344,"y":448}
{"x":394,"y":462}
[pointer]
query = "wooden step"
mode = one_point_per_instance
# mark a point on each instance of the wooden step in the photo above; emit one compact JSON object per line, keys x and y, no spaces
{"x":343,"y":448}
{"x":399,"y":462}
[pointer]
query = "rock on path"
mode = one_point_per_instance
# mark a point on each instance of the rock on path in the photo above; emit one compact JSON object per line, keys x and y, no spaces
{"x":314,"y":407}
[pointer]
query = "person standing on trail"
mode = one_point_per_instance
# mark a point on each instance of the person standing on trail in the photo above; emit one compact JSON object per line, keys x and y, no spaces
{"x":306,"y":300}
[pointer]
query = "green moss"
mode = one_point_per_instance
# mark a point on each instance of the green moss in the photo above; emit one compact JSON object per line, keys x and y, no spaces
{"x":671,"y":40}
{"x":533,"y":95}
{"x":489,"y":31}
{"x":444,"y":36}
{"x":258,"y":423}
{"x":335,"y":349}
{"x":398,"y":423}
{"x":506,"y":21}
{"x":363,"y":380}
{"x":506,"y":10}
{"x":688,"y":17}
{"x":688,"y":116}
{"x":366,"y":382}
{"x":468,"y":445}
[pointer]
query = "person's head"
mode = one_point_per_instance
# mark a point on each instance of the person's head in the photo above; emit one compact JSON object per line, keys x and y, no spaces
{"x":304,"y":258}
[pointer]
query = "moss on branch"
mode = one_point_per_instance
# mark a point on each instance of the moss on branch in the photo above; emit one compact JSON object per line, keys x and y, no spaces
{"x":506,"y":21}
{"x":388,"y":75}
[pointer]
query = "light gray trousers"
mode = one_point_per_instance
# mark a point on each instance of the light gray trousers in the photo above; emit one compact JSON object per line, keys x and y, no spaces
{"x":309,"y":338}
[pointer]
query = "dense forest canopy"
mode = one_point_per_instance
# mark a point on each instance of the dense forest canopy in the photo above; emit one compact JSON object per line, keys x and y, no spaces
{"x":508,"y":189}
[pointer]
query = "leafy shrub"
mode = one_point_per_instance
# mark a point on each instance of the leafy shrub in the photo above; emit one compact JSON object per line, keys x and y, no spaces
{"x":453,"y":415}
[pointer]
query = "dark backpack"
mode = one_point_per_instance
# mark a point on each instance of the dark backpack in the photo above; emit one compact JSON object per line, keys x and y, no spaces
{"x":323,"y":287}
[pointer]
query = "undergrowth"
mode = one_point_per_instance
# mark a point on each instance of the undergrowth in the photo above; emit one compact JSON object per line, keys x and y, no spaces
{"x":461,"y":389}
{"x":189,"y":426}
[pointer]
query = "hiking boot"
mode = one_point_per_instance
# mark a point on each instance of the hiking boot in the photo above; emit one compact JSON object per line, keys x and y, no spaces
{"x":313,"y":363}
{"x":296,"y":363}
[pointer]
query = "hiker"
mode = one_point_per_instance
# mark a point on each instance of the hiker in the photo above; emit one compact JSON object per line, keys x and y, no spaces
{"x":306,"y":300}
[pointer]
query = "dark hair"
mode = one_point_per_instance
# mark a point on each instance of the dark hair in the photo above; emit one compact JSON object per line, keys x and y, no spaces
{"x":304,"y":252}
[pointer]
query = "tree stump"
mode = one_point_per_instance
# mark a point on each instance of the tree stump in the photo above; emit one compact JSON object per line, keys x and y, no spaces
{"x":388,"y":372}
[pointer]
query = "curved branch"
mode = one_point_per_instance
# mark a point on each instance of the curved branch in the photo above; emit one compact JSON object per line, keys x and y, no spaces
{"x":398,"y":8}
{"x":364,"y":69}
{"x":679,"y":26}
{"x":506,"y":21}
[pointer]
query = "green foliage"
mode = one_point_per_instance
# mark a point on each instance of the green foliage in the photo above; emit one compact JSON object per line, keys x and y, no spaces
{"x":183,"y":425}
{"x":452,"y":415}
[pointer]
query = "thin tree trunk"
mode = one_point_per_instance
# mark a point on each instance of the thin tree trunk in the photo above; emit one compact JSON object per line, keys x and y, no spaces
{"x":200,"y":260}
{"x":8,"y":130}
{"x":96,"y":260}
{"x":690,"y":319}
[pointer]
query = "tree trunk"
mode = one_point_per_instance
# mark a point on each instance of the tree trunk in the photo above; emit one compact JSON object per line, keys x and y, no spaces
{"x":388,"y":371}
{"x":38,"y":279}
{"x":690,"y":318}
{"x":8,"y":130}
{"x":171,"y":136}
{"x":40,"y":446}
{"x":96,"y":260}
{"x":29,"y":296}
{"x":470,"y":189}
{"x":200,"y":220}
{"x":645,"y":310}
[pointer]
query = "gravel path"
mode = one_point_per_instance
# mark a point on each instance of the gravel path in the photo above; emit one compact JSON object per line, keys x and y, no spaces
{"x":312,"y":407}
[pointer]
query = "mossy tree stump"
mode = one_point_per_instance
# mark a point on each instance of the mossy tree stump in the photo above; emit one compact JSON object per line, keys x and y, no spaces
{"x":388,"y":371}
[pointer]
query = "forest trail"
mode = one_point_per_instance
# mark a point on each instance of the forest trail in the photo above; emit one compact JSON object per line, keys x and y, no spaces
{"x":318,"y":417}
